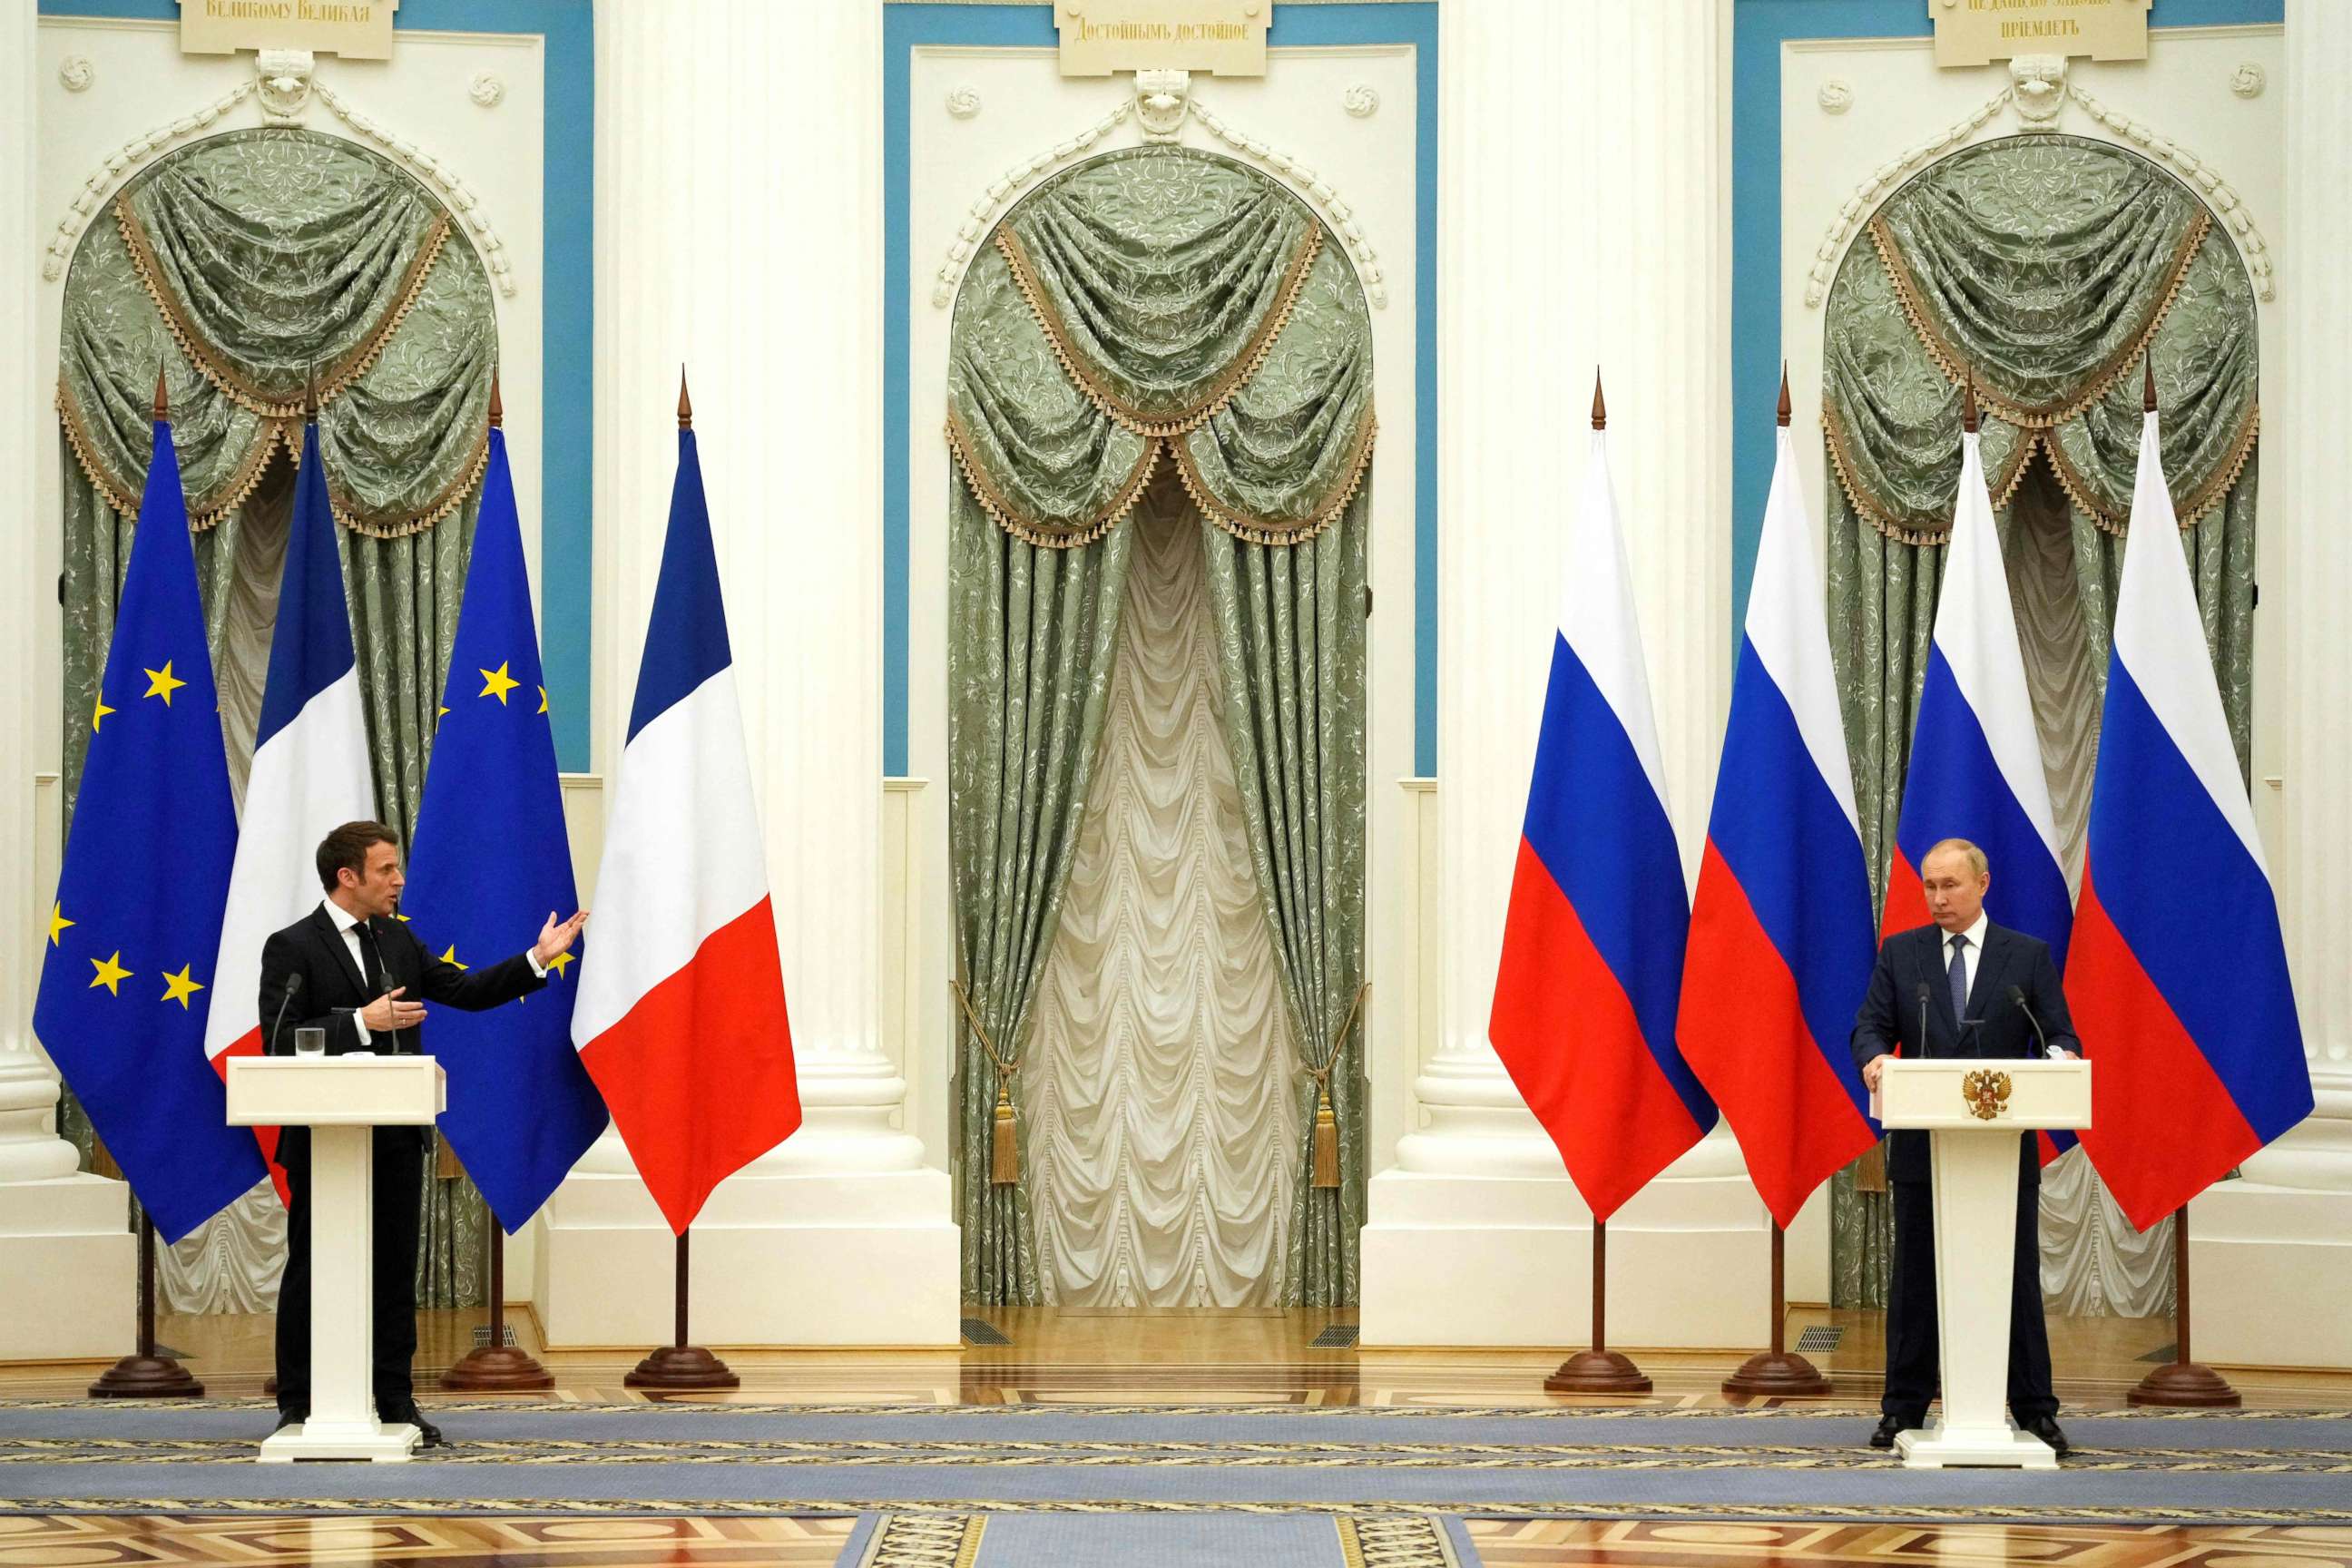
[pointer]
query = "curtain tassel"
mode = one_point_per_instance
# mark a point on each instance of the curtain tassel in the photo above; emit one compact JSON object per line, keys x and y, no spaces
{"x":1327,"y":1142}
{"x":1004,"y":1165}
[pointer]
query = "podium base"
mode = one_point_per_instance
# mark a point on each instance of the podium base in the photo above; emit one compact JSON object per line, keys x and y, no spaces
{"x":685,"y":1367}
{"x":1939,"y":1448}
{"x":1597,"y":1372}
{"x":315,"y":1439}
{"x":2185,"y":1386}
{"x":146,"y":1377}
{"x":1785,"y":1375}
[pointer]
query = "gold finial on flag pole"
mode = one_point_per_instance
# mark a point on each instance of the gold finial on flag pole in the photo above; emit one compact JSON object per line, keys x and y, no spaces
{"x":685,"y":408}
{"x":1781,"y":416}
{"x":2147,"y":383}
{"x":1599,"y":409}
{"x":311,"y":397}
{"x":162,"y":403}
{"x":497,"y":409}
{"x":1969,"y":405}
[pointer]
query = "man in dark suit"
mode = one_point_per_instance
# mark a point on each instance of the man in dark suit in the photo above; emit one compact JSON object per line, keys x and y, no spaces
{"x":354,"y":970}
{"x":1975,"y":975}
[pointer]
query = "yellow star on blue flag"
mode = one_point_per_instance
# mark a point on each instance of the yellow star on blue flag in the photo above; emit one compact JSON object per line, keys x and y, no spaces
{"x":491,"y":860}
{"x":151,"y":795}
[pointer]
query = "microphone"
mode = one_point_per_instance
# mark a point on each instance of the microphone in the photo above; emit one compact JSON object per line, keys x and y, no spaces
{"x":2017,"y":994}
{"x":1926,"y":995}
{"x":293,"y":985}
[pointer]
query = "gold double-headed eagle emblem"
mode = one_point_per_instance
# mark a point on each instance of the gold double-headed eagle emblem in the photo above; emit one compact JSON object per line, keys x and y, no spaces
{"x":1986,"y":1090}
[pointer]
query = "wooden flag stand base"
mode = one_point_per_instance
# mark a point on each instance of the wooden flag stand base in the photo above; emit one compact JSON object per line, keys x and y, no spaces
{"x":2182,"y":1384}
{"x":1599,"y":1370}
{"x":146,"y":1375}
{"x":498,"y":1367}
{"x":682,"y":1366}
{"x":1777,"y":1373}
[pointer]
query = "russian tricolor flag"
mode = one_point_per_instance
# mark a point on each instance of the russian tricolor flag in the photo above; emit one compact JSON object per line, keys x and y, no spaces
{"x":2178,"y":980}
{"x":681,"y":1018}
{"x":1593,"y":945}
{"x":1975,"y":771}
{"x":1780,"y":939}
{"x":309,"y":767}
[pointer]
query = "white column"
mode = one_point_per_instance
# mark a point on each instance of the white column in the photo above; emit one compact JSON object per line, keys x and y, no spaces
{"x":62,"y":1235}
{"x":2278,"y":1233}
{"x":739,"y":231}
{"x":1583,"y":192}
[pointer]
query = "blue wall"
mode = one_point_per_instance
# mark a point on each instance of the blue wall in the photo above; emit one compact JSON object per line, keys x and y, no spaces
{"x":909,"y":25}
{"x":1758,"y":29}
{"x":567,"y":323}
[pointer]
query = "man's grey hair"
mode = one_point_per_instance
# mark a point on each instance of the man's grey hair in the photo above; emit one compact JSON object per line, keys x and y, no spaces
{"x":1976,"y":861}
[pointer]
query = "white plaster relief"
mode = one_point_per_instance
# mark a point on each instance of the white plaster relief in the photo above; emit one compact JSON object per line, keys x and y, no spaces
{"x":76,"y":73}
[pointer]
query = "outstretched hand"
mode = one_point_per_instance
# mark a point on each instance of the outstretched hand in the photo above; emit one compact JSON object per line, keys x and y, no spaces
{"x":555,"y":938}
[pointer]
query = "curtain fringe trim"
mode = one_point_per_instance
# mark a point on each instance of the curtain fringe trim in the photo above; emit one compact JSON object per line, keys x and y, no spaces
{"x":1235,"y":376}
{"x":1045,"y":535}
{"x":206,"y":511}
{"x":1279,"y":532}
{"x":214,"y":366}
{"x":1915,"y":310}
{"x":2190,"y":512}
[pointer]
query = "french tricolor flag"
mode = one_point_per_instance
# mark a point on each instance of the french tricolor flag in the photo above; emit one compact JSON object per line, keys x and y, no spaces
{"x":310,"y":765}
{"x":1592,"y":944}
{"x":2178,"y":979}
{"x":1780,"y":939}
{"x":680,"y":1021}
{"x":1975,"y":771}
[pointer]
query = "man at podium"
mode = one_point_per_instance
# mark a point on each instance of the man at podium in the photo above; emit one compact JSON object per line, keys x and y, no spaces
{"x":1960,"y":987}
{"x":353,"y":970}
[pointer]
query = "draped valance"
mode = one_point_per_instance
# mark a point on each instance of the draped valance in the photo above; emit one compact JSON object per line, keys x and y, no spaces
{"x":1160,"y":305}
{"x":238,"y":264}
{"x":2045,"y":266}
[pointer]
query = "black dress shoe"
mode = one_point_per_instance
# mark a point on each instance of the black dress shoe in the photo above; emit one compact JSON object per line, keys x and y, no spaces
{"x":1888,"y":1427}
{"x":2046,"y":1428}
{"x":430,"y":1434}
{"x":294,"y":1418}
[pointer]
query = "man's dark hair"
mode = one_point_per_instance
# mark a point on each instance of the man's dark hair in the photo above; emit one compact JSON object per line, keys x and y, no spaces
{"x":346,"y":848}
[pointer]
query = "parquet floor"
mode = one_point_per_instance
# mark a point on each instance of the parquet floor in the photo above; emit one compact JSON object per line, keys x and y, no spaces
{"x":1245,"y":1357}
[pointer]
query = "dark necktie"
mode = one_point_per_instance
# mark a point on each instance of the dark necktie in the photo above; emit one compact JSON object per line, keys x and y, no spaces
{"x":371,"y":962}
{"x":1959,"y":978}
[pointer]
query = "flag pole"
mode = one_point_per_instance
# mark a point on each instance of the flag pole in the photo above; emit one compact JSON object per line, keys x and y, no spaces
{"x":681,"y":1365}
{"x":1599,"y":1370}
{"x":2182,"y":1384}
{"x":147,"y":1376}
{"x":1777,"y":1372}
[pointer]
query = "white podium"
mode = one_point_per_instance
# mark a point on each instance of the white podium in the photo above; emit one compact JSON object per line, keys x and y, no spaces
{"x":342,"y":1100}
{"x":1973,"y":1111}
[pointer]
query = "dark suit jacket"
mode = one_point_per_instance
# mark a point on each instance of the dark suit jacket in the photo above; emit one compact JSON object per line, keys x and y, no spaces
{"x":333,"y":992}
{"x":1995,"y":1026}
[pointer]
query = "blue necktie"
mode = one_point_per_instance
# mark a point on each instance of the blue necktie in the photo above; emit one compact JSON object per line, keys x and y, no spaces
{"x":1959,"y":978}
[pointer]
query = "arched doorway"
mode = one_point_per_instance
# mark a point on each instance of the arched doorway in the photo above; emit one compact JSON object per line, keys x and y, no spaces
{"x":1158,"y":343}
{"x":2052,"y":267}
{"x":240,"y":264}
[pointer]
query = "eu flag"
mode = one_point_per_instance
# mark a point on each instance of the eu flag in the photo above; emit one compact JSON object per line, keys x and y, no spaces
{"x":490,"y":862}
{"x":125,"y":980}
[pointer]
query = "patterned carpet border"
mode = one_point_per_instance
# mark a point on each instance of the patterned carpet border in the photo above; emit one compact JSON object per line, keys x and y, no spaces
{"x":1048,"y":1407}
{"x":1981,"y":1513}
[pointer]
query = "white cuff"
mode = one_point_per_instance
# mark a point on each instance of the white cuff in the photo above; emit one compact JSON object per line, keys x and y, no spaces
{"x":359,"y":1026}
{"x":530,"y":956}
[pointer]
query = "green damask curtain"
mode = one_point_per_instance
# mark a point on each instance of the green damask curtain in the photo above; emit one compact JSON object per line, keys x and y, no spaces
{"x":237,"y":264}
{"x":2048,"y":268}
{"x":1156,"y":305}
